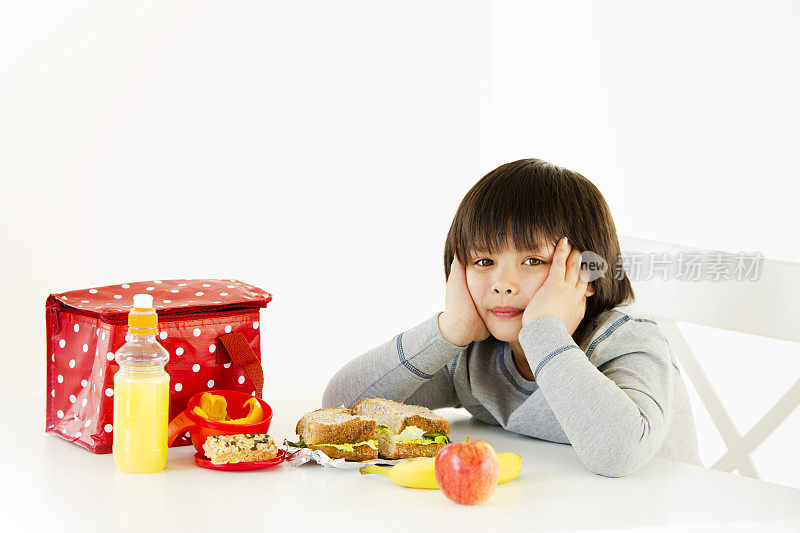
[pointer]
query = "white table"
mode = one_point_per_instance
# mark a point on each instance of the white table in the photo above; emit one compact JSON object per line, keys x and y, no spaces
{"x":49,"y":483}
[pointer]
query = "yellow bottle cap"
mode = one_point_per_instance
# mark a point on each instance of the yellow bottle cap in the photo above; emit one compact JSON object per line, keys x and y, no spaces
{"x":142,"y":320}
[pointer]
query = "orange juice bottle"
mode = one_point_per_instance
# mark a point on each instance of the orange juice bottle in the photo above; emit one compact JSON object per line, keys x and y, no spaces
{"x":141,"y":394}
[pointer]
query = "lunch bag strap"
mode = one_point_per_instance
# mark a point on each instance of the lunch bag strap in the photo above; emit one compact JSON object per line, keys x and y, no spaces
{"x":241,"y":354}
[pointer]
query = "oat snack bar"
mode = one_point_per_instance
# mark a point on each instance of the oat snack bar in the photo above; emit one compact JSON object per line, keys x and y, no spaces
{"x":240,"y":448}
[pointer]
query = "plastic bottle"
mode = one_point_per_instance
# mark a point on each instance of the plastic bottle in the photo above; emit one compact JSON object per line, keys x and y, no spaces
{"x":141,"y":394}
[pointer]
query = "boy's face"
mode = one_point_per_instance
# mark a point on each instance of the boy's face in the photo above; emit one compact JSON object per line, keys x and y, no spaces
{"x":506,"y":279}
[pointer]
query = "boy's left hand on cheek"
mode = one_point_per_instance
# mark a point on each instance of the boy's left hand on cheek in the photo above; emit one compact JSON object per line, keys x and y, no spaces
{"x":563,"y":294}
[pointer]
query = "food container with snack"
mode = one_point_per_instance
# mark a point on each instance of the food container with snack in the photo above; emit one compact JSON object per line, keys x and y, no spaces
{"x":239,"y":405}
{"x":229,"y":431}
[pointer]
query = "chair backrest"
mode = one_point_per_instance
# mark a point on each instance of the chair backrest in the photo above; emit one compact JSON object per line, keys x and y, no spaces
{"x":738,"y":291}
{"x":768,"y":305}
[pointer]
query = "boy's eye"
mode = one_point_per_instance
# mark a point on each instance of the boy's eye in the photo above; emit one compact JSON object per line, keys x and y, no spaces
{"x":539,"y":261}
{"x":536,"y":261}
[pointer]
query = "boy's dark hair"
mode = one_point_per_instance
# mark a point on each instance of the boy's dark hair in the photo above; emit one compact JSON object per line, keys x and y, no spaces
{"x":535,"y":203}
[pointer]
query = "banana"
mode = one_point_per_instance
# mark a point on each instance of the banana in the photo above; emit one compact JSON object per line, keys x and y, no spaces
{"x":414,"y":473}
{"x":421,"y":474}
{"x":510,"y":466}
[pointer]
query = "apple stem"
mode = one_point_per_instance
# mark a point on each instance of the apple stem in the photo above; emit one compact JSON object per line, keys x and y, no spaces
{"x":467,"y":440}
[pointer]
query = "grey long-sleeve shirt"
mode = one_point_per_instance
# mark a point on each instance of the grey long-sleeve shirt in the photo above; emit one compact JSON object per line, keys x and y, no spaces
{"x":618,"y":398}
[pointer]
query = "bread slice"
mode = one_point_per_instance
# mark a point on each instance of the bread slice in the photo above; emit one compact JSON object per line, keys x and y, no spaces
{"x":337,"y":425}
{"x":397,"y":416}
{"x":389,"y":449}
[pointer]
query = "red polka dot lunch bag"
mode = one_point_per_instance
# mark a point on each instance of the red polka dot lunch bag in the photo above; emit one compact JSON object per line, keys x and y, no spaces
{"x":210,"y":327}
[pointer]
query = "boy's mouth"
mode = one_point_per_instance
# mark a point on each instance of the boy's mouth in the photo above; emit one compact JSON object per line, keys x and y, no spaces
{"x":506,"y":312}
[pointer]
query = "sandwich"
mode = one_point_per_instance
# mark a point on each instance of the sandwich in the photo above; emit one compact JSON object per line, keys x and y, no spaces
{"x":339,"y":434}
{"x":404,"y":431}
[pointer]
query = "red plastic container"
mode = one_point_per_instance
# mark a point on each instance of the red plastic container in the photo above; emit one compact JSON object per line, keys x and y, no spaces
{"x":210,"y":327}
{"x":205,"y":462}
{"x":201,"y":428}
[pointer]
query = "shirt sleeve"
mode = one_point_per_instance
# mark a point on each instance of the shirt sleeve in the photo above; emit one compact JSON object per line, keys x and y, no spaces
{"x":410,"y":366}
{"x":613,"y":401}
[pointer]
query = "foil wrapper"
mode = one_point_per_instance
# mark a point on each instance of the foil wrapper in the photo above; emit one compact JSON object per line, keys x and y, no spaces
{"x":300,"y":456}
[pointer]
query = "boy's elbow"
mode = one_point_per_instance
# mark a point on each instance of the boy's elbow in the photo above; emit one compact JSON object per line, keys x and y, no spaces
{"x":334,"y":397}
{"x":614,"y":470}
{"x":618,"y":463}
{"x":328,"y":397}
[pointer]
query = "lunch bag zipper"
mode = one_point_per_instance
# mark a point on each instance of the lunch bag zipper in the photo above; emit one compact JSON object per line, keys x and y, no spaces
{"x":165,"y":316}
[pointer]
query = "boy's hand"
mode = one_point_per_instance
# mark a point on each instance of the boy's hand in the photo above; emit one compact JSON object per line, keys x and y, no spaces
{"x":460,"y":323}
{"x":563,"y":294}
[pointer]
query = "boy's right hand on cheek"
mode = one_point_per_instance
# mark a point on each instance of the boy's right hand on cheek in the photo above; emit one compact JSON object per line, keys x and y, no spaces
{"x":460,"y":323}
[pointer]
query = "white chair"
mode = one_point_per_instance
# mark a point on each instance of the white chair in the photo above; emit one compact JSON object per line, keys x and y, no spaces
{"x":768,"y":306}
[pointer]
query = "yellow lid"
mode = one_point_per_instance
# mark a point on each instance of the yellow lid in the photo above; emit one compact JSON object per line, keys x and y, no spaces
{"x":142,"y":320}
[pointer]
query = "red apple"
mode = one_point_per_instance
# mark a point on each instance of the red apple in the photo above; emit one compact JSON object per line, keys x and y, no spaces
{"x":467,"y":472}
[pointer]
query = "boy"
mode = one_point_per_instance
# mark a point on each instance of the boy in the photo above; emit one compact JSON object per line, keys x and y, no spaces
{"x":528,"y":339}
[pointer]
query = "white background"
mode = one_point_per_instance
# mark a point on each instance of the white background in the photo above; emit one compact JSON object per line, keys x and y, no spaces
{"x":319,"y":150}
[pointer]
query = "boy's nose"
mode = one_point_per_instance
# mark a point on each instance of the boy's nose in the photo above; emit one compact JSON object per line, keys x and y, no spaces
{"x":505,"y":287}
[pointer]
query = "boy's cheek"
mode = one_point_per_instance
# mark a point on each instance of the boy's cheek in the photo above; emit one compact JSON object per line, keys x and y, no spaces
{"x":471,"y":284}
{"x":533,"y":288}
{"x":475,"y":294}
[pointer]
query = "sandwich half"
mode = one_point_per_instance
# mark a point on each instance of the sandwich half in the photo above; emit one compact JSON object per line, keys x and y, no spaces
{"x":339,"y":434}
{"x":405,"y":431}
